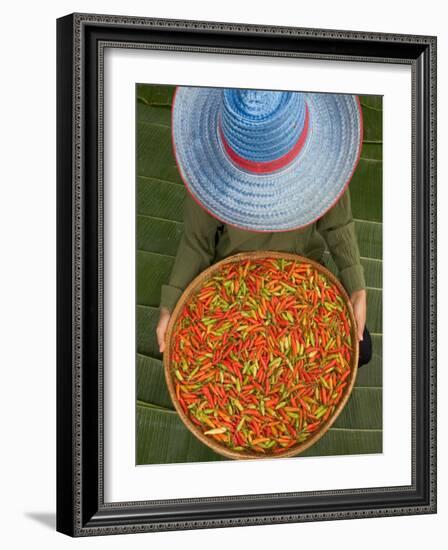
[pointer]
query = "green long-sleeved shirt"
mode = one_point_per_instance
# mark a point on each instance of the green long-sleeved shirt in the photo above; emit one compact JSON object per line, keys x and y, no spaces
{"x":206,"y":240}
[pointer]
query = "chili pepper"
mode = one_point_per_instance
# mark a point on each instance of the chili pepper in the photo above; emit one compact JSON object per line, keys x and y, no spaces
{"x":261,"y":354}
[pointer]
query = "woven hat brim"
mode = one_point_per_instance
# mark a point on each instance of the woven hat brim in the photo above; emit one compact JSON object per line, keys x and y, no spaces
{"x":292,"y":197}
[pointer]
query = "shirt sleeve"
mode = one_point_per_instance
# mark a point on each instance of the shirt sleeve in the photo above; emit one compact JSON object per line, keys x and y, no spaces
{"x":196,"y":251}
{"x":338,"y":230}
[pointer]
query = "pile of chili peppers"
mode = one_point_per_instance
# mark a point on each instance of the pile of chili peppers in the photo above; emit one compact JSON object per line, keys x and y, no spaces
{"x":261,"y":354}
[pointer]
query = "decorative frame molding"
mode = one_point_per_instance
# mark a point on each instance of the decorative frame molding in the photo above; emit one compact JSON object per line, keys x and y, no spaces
{"x":81,"y":40}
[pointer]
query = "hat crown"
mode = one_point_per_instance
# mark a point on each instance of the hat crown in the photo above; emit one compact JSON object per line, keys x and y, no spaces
{"x":261,"y":125}
{"x":253,"y":104}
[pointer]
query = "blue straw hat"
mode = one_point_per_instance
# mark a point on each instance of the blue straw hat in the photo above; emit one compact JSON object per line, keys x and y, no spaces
{"x":265,"y":160}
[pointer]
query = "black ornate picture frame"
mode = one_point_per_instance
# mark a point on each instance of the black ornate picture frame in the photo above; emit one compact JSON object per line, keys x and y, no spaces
{"x":81,"y":41}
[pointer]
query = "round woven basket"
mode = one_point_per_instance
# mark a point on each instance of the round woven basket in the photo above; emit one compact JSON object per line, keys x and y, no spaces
{"x":190,"y":292}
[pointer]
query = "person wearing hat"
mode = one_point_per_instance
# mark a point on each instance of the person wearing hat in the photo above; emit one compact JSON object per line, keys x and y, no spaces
{"x":266,"y":170}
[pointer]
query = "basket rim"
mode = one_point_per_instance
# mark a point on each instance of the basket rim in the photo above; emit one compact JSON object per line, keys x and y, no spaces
{"x":189,"y":292}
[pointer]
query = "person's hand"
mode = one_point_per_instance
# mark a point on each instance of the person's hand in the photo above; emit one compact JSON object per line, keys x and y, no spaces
{"x":358,"y":298}
{"x":161,"y":327}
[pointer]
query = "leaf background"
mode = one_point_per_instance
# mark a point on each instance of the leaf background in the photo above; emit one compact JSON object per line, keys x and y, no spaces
{"x":161,"y":436}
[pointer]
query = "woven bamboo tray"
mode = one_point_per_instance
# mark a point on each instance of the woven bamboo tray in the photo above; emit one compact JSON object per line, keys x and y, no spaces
{"x":189,"y":293}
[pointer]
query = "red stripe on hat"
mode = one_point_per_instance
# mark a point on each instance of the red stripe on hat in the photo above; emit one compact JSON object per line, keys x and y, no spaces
{"x":265,"y":167}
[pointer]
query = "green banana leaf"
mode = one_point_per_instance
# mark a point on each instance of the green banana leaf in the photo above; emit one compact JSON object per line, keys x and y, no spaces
{"x":161,"y":435}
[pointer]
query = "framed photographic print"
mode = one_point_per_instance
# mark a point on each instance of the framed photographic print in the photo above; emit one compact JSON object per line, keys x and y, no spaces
{"x":246,"y":274}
